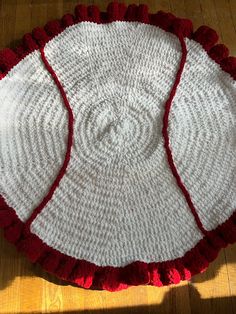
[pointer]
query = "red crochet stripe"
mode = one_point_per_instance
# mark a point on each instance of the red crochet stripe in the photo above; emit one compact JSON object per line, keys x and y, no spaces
{"x":167,"y":140}
{"x":62,"y":171}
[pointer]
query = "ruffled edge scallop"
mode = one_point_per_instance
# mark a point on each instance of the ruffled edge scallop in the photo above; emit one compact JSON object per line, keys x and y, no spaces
{"x":89,"y":275}
{"x":82,"y":272}
{"x":204,"y":35}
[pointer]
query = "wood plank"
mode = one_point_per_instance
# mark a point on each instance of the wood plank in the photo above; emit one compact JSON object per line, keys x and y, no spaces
{"x":224,"y":15}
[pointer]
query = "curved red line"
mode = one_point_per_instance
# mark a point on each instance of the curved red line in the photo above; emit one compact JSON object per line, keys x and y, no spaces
{"x":165,"y":134}
{"x":62,"y":171}
{"x":172,"y":166}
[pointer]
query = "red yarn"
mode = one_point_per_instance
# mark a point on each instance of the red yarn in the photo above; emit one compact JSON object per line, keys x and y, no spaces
{"x":219,"y":52}
{"x":3,"y":204}
{"x":216,"y":240}
{"x":116,"y":278}
{"x":62,"y":171}
{"x":65,"y":268}
{"x":53,"y":28}
{"x":67,"y":20}
{"x":113,"y":13}
{"x":50,"y":261}
{"x":164,"y":20}
{"x":167,"y":21}
{"x":32,"y":246}
{"x":13,"y":232}
{"x":185,"y":273}
{"x":8,"y":59}
{"x":167,"y":141}
{"x":131,"y":13}
{"x":207,"y":250}
{"x":228,"y":64}
{"x":142,"y":14}
{"x":29,"y":43}
{"x":229,"y":232}
{"x":155,"y":277}
{"x":122,"y":11}
{"x":82,"y":272}
{"x":182,"y":27}
{"x":6,"y":219}
{"x":195,"y":261}
{"x":81,"y":13}
{"x":94,"y":13}
{"x":40,"y":36}
{"x":21,"y":51}
{"x":206,"y":36}
{"x":170,"y":275}
{"x":135,"y":274}
{"x":233,"y":74}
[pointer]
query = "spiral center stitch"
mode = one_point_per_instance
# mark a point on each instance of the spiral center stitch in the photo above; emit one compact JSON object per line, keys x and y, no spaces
{"x":130,"y":134}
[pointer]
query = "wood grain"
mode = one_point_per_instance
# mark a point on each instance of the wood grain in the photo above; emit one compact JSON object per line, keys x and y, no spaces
{"x":26,"y":288}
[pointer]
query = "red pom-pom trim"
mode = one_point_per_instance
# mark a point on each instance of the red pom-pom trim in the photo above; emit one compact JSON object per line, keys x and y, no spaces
{"x":142,"y":14}
{"x":229,"y":65}
{"x":50,"y":261}
{"x":83,"y":273}
{"x":65,"y":268}
{"x":67,"y":20}
{"x":89,"y":275}
{"x":113,"y":13}
{"x":21,"y":51}
{"x":206,"y":36}
{"x":29,"y":43}
{"x":164,"y":20}
{"x":154,"y":274}
{"x":94,"y":14}
{"x":6,"y":219}
{"x":81,"y":13}
{"x":53,"y":28}
{"x":40,"y":36}
{"x":32,"y":246}
{"x":135,"y":274}
{"x":8,"y":58}
{"x":219,"y":52}
{"x":13,"y":232}
{"x":182,"y":27}
{"x":131,"y":13}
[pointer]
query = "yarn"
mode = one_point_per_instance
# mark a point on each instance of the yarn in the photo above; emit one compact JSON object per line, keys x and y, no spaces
{"x":117,"y":147}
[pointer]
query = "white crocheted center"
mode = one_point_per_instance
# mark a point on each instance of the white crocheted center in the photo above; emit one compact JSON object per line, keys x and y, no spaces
{"x":118,"y":201}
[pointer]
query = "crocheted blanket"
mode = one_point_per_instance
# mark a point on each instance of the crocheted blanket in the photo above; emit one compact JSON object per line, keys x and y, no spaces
{"x":118,"y":147}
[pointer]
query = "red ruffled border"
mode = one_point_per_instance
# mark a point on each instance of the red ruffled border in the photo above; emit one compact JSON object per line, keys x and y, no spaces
{"x":204,"y":35}
{"x":82,"y":272}
{"x":89,"y":275}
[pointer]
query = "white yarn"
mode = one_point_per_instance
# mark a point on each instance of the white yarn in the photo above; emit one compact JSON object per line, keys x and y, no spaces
{"x":118,"y":201}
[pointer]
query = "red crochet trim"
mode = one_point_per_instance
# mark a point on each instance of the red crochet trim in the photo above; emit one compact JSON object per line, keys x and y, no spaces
{"x":204,"y":35}
{"x":81,"y":272}
{"x":89,"y":275}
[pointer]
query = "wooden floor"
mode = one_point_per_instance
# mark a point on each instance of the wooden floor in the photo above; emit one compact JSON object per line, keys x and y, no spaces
{"x":25,"y":288}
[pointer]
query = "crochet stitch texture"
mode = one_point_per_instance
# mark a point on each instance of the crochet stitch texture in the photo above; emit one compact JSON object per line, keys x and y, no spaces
{"x":117,"y":147}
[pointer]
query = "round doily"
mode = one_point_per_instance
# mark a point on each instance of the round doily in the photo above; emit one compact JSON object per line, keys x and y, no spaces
{"x":118,"y":147}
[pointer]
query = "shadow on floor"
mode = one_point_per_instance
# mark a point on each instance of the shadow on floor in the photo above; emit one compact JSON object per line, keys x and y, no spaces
{"x":175,"y":302}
